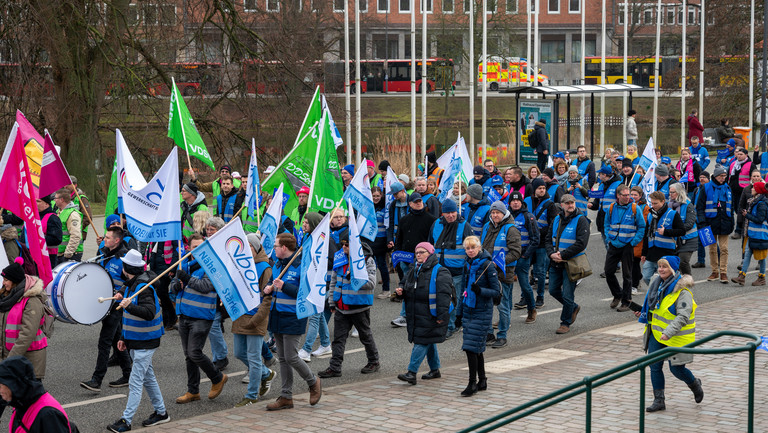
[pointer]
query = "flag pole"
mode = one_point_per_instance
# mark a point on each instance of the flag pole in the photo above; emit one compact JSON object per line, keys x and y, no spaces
{"x":87,"y":214}
{"x":183,"y":134}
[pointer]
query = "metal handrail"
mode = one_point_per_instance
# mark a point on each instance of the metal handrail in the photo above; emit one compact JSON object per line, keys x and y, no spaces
{"x":589,"y":383}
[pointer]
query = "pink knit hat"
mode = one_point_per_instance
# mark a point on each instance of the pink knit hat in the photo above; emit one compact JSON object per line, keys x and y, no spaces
{"x":427,"y":246}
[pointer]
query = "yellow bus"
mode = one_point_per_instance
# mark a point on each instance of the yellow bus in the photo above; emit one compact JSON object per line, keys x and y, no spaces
{"x":640,"y":71}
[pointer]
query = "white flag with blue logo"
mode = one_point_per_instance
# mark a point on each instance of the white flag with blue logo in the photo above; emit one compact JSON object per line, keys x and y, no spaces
{"x":226,"y":259}
{"x":649,"y":156}
{"x":359,"y":194}
{"x":448,"y":159}
{"x":270,"y":222}
{"x":314,"y":268}
{"x":152,"y":215}
{"x":388,"y":197}
{"x":337,"y":141}
{"x":254,"y":185}
{"x":649,"y":180}
{"x":358,"y":271}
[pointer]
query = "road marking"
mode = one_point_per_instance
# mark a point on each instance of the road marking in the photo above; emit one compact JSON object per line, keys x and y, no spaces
{"x":635,"y":329}
{"x":539,"y":313}
{"x":95,"y":400}
{"x":233,"y":374}
{"x":534,"y":359}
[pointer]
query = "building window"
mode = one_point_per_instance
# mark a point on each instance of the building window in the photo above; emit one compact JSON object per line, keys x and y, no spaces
{"x":671,"y":15}
{"x":553,"y":51}
{"x":149,"y":13}
{"x":692,"y":16}
{"x":426,"y":5}
{"x":405,"y":5}
{"x":338,"y":5}
{"x":512,"y":6}
{"x":167,"y":15}
{"x":447,"y":6}
{"x":382,"y":5}
{"x":590,"y":50}
{"x":554,"y":6}
{"x":648,"y":16}
{"x":620,"y":14}
{"x":250,"y":5}
{"x":273,"y":5}
{"x":574,"y":6}
{"x":363,"y":4}
{"x":491,"y":4}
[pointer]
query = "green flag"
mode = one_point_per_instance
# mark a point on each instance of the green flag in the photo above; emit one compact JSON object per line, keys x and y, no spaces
{"x":311,"y":119}
{"x":111,"y":204}
{"x":327,"y":187}
{"x":181,"y":128}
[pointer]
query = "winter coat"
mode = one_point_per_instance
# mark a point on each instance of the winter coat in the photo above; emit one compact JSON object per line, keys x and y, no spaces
{"x":591,"y":174}
{"x":10,"y":235}
{"x":684,"y":308}
{"x":402,"y":209}
{"x":30,"y":323}
{"x":422,"y":325}
{"x":721,"y":224}
{"x":414,"y":228}
{"x":631,"y":128}
{"x":582,"y":238}
{"x":514,"y":249}
{"x":256,"y":324}
{"x":284,"y":322}
{"x":760,"y":216}
{"x":542,"y":141}
{"x":689,"y":220}
{"x":653,"y":254}
{"x":477,"y":319}
{"x":695,"y":129}
{"x":523,"y":184}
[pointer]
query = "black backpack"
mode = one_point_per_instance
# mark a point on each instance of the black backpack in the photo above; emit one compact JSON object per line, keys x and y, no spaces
{"x":29,"y":266}
{"x":532,"y":139}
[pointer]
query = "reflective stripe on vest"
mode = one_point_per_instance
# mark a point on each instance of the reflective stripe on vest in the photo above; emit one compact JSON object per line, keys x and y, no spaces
{"x":450,"y":258}
{"x":568,"y":237}
{"x":657,"y":240}
{"x":52,"y":250}
{"x":622,"y":228}
{"x":712,"y":203}
{"x":45,"y":400}
{"x":663,"y":316}
{"x":743,"y":173}
{"x":192,"y":303}
{"x":581,"y":201}
{"x":609,"y":195}
{"x":477,"y":218}
{"x":693,"y":232}
{"x":500,"y":243}
{"x":64,"y":217}
{"x":249,"y":223}
{"x":282,"y":302}
{"x":519,"y":222}
{"x":228,"y":211}
{"x":540,"y":213}
{"x":138,"y":329}
{"x":13,"y":328}
{"x":348,"y":295}
{"x":433,"y":293}
{"x":757,"y":231}
{"x":114,"y":267}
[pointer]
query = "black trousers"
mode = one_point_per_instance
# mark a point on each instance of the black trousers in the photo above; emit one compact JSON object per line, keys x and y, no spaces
{"x":342,"y":324}
{"x":169,"y":309}
{"x":637,"y":272}
{"x":541,"y":161}
{"x":111,"y":328}
{"x":625,"y":255}
{"x":194,"y":333}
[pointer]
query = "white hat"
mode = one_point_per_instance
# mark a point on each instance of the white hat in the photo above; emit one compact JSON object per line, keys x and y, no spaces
{"x":133,"y":258}
{"x":236,"y":175}
{"x":269,"y":169}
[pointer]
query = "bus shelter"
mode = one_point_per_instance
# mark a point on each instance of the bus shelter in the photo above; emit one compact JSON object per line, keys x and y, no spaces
{"x":529,"y":111}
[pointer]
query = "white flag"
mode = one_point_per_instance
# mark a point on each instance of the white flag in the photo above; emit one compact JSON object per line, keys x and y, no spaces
{"x":254,"y":185}
{"x":359,"y":193}
{"x":152,"y":214}
{"x":648,"y":156}
{"x":316,"y":277}
{"x":459,"y":150}
{"x":337,"y":141}
{"x":271,"y":221}
{"x":649,"y":180}
{"x":388,"y":197}
{"x":358,"y":271}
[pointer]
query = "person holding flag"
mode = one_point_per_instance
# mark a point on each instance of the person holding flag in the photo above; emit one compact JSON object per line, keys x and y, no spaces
{"x":398,"y":209}
{"x":215,"y":186}
{"x":71,"y":247}
{"x":502,"y":240}
{"x":379,"y":245}
{"x":297,"y":215}
{"x":318,"y":323}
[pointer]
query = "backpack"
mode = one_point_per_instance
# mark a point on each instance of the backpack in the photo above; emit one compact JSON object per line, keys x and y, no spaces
{"x":532,"y":140}
{"x":29,"y":266}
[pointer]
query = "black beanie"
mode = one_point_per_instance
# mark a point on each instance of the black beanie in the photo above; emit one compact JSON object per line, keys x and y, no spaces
{"x":383,"y":165}
{"x":14,"y":272}
{"x":133,"y":270}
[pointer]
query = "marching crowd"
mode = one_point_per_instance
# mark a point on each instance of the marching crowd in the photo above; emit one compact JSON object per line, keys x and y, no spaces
{"x":456,"y":262}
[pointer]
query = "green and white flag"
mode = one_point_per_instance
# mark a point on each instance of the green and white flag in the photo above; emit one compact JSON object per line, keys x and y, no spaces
{"x":111,"y":205}
{"x":312,"y":118}
{"x":327,"y":187}
{"x":181,"y":128}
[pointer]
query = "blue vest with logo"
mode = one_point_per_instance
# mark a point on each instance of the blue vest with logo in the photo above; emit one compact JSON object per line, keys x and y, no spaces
{"x":664,"y":188}
{"x":756,"y":231}
{"x":114,"y":267}
{"x":192,"y":303}
{"x":763,"y":164}
{"x":282,"y":302}
{"x":136,"y":328}
{"x":540,"y":212}
{"x":226,"y":211}
{"x":500,"y":243}
{"x":622,"y":225}
{"x":568,"y":237}
{"x":519,"y":222}
{"x":693,"y":232}
{"x":716,"y":195}
{"x":657,"y":240}
{"x":581,"y":200}
{"x":433,"y":292}
{"x":609,"y":195}
{"x":450,"y":258}
{"x":345,"y":292}
{"x":382,"y":229}
{"x":476,"y":217}
{"x":581,"y":166}
{"x":552,"y":190}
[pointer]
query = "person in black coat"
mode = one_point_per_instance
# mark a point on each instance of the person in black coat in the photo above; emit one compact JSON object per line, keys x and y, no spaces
{"x":482,"y":286}
{"x":542,"y":143}
{"x":427,"y":323}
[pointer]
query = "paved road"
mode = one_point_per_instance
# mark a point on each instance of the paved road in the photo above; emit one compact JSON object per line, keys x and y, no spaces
{"x":72,"y":351}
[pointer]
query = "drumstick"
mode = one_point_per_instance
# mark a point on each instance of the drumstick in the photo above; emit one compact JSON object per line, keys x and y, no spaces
{"x":130,"y":298}
{"x":105,"y":299}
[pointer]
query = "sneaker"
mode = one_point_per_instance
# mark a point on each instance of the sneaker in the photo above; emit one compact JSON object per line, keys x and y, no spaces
{"x":329,"y":372}
{"x":448,"y":335}
{"x":635,"y":291}
{"x":246,"y":378}
{"x":489,"y":339}
{"x":383,"y":295}
{"x":91,"y":385}
{"x":698,"y":265}
{"x":602,"y":275}
{"x":247,"y":402}
{"x":499,"y":343}
{"x":322,"y":350}
{"x":156,"y":419}
{"x":305,"y":356}
{"x":399,"y":322}
{"x":371,"y":367}
{"x":272,"y":344}
{"x":521,"y":304}
{"x":354,"y":333}
{"x":119,"y":383}
{"x":120,"y":425}
{"x":269,"y":362}
{"x":539,"y":302}
{"x":266,"y":384}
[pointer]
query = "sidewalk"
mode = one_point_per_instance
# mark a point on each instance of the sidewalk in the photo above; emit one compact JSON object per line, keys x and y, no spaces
{"x":387,"y":404}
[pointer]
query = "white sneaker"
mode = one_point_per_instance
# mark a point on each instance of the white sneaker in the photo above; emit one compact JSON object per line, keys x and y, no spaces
{"x":322,"y":350}
{"x":246,"y":378}
{"x":383,"y":295}
{"x":354,"y":333}
{"x":634,"y":291}
{"x":305,"y":356}
{"x":399,"y":322}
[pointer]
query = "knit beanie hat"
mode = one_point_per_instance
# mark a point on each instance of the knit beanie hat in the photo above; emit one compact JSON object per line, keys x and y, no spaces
{"x":475,"y":191}
{"x":14,"y":272}
{"x":427,"y":246}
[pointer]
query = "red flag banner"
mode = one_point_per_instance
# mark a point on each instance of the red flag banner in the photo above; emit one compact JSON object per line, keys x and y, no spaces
{"x":53,"y":174}
{"x":32,"y":142}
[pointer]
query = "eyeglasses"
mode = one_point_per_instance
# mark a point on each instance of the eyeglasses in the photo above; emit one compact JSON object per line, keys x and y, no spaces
{"x":418,"y":253}
{"x":344,"y":244}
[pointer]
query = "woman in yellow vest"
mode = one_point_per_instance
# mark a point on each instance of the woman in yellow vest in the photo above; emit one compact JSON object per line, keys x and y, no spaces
{"x":669,"y":314}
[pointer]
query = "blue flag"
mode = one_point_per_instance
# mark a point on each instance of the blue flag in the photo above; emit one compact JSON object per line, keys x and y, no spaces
{"x":401,"y":257}
{"x":500,"y":260}
{"x":764,"y":346}
{"x":304,"y":308}
{"x":339,"y":259}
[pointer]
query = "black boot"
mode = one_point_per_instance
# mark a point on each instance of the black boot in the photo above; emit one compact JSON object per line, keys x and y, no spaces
{"x":658,"y":401}
{"x":698,"y":393}
{"x":470,"y":390}
{"x":409,"y":377}
{"x":482,"y":384}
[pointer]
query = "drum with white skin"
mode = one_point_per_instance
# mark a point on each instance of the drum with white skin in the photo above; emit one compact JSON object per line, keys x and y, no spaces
{"x":73,"y":294}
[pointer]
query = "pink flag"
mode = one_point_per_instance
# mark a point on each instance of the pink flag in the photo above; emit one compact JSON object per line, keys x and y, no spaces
{"x":32,"y":144}
{"x":17,"y":196}
{"x":53,"y":175}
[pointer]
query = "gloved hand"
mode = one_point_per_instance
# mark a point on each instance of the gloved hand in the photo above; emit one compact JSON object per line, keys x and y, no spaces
{"x":183,"y":276}
{"x":476,"y":289}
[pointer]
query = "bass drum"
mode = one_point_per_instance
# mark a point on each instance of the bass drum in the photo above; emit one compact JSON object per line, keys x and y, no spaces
{"x":73,"y":294}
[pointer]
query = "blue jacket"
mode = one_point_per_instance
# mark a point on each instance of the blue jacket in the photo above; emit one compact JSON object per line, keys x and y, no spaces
{"x":286,"y":322}
{"x":622,"y":215}
{"x":478,"y":310}
{"x":756,"y":220}
{"x":701,"y":155}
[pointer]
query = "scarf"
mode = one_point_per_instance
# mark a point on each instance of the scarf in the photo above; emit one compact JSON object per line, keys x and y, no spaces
{"x":656,"y":292}
{"x":736,"y":167}
{"x":8,"y":301}
{"x":470,"y":299}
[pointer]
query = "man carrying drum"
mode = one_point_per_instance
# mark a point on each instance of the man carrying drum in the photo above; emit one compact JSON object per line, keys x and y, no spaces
{"x":113,"y":250}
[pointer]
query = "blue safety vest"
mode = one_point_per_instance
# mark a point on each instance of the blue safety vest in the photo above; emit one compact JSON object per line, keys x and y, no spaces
{"x":622,"y":226}
{"x":433,"y":292}
{"x":519,"y":222}
{"x":450,"y":258}
{"x":568,"y":237}
{"x":260,"y":268}
{"x":476,"y":217}
{"x":581,"y":200}
{"x":382,"y":229}
{"x":346,"y":293}
{"x":282,"y":302}
{"x":763,"y":164}
{"x":396,"y":218}
{"x":540,"y":212}
{"x":757,"y":231}
{"x":114,"y":267}
{"x":657,"y":240}
{"x":228,"y":211}
{"x":192,"y":303}
{"x":715,"y":196}
{"x":500,"y":243}
{"x":693,"y":232}
{"x":609,"y":195}
{"x":581,"y":166}
{"x":552,"y":190}
{"x":136,"y":328}
{"x":664,"y":188}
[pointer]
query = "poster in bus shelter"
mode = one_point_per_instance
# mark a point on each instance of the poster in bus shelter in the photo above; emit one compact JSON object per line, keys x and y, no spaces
{"x":530,"y":113}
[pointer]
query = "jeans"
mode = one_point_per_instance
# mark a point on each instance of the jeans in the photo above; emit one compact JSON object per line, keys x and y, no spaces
{"x":521,"y":270}
{"x":143,"y":377}
{"x":265,"y":352}
{"x":563,"y":289}
{"x":108,"y":337}
{"x":342,"y":324}
{"x":216,"y":338}
{"x":288,"y":355}
{"x":318,"y":324}
{"x":248,"y":350}
{"x":719,"y":262}
{"x":657,"y":375}
{"x":381,"y":264}
{"x":702,"y":254}
{"x":624,"y":255}
{"x":649,"y":268}
{"x":458,"y":285}
{"x":418,"y":353}
{"x":540,"y":271}
{"x":748,"y":260}
{"x":505,"y":308}
{"x":193,"y":333}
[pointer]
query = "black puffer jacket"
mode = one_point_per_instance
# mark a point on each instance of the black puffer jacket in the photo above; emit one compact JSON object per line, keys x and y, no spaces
{"x":422,"y":325}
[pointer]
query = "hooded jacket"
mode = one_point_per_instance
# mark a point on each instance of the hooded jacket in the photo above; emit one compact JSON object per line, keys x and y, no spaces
{"x":684,"y":309}
{"x":256,"y":324}
{"x":188,"y":210}
{"x":30,"y":323}
{"x":542,"y":141}
{"x":514,"y":249}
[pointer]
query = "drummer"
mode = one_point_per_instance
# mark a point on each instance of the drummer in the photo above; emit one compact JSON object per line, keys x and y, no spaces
{"x":113,"y":250}
{"x":114,"y":220}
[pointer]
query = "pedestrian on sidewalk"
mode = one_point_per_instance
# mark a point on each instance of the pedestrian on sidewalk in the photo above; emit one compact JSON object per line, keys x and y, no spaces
{"x":427,"y":293}
{"x":482,"y":286}
{"x":669,"y":315}
{"x":714,"y":209}
{"x":756,"y":215}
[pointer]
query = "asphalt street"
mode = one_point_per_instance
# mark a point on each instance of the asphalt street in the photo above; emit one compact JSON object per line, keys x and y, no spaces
{"x":72,"y":350}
